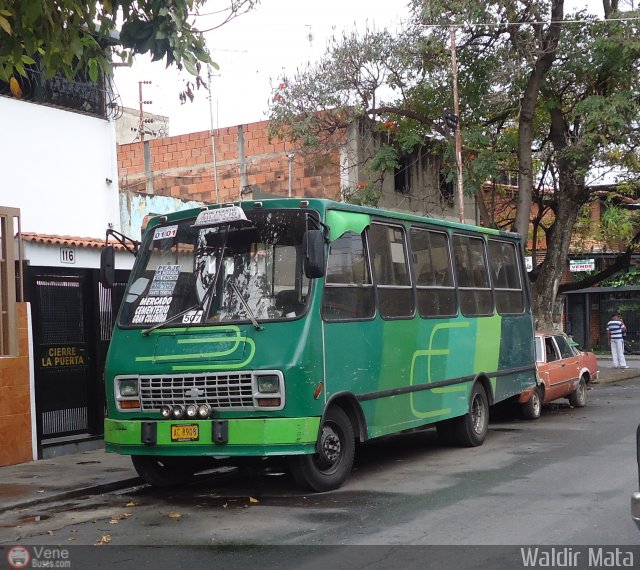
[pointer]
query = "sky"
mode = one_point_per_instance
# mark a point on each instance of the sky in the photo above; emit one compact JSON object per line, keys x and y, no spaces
{"x":254,"y":51}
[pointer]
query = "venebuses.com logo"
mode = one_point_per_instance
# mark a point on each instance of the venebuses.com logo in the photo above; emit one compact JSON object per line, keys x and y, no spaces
{"x":18,"y":557}
{"x":38,"y":557}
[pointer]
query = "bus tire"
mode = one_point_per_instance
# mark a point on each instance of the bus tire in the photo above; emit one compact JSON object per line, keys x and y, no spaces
{"x":578,"y":398}
{"x":160,"y":471}
{"x":471,"y":429}
{"x":532,"y":409}
{"x":328,"y":468}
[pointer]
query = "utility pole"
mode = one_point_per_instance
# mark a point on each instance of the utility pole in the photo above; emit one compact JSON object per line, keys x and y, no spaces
{"x":290,"y":157}
{"x":213,"y":139}
{"x":456,"y":112}
{"x":142,"y":104}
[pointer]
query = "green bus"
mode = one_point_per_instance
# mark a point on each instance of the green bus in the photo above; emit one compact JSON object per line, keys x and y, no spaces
{"x":296,"y":328}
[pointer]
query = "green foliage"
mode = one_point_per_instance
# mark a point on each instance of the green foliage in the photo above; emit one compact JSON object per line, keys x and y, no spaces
{"x":629,"y":277}
{"x":617,"y":224}
{"x":385,"y":159}
{"x":72,"y":35}
{"x":363,"y":194}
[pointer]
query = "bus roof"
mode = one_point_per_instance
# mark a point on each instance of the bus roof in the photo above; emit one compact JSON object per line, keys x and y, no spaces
{"x":323,"y":205}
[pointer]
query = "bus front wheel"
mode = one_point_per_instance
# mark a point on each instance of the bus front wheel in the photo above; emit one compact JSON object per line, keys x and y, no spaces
{"x":160,"y":471}
{"x":471,"y":429}
{"x":330,"y":466}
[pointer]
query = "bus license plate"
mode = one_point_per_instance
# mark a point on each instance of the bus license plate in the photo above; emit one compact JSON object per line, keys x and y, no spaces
{"x":185,"y":433}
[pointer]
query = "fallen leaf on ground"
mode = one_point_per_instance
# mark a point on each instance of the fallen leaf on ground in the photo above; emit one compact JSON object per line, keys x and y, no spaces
{"x":175,"y":516}
{"x":104,"y":539}
{"x":115,"y":519}
{"x":252,"y":500}
{"x":131,"y":504}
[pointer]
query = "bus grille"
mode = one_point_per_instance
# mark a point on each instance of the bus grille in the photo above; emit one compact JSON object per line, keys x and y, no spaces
{"x":217,"y":390}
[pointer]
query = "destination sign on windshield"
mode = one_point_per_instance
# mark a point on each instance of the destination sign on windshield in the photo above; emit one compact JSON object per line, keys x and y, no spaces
{"x":220,"y":216}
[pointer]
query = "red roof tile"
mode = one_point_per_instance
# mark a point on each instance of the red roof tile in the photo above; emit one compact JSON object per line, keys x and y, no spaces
{"x":68,"y":241}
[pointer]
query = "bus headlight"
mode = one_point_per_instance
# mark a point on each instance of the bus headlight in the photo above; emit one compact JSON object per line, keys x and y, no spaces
{"x":128,"y":388}
{"x":177,"y":413}
{"x":165,"y":412}
{"x":268,"y":384}
{"x":191,"y":411}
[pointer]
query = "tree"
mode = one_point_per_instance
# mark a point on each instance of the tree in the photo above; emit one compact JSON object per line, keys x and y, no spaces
{"x":68,"y":36}
{"x":550,"y":96}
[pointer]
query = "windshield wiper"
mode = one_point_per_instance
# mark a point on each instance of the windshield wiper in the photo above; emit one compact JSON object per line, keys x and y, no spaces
{"x":248,"y":310}
{"x":172,"y":318}
{"x":208,"y":293}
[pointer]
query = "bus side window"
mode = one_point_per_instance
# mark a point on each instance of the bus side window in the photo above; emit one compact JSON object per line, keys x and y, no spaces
{"x":474,"y":289}
{"x":391,"y":270}
{"x":507,"y":283}
{"x":348,"y":291}
{"x":434,"y":274}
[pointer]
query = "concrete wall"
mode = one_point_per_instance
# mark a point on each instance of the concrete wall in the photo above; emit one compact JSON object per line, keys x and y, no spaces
{"x":59,"y":168}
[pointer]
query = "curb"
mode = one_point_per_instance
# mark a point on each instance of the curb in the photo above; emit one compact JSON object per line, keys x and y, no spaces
{"x":75,"y":493}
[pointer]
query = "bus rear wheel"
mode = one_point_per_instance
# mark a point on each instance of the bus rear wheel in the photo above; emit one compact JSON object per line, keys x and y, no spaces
{"x":330,"y":466}
{"x":160,"y":471}
{"x":471,"y":429}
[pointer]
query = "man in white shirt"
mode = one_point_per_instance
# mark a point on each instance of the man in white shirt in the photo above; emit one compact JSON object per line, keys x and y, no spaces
{"x":615,"y":332}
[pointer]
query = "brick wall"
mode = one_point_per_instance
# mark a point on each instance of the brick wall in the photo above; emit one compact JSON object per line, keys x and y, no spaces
{"x":15,"y":399}
{"x":182,"y":166}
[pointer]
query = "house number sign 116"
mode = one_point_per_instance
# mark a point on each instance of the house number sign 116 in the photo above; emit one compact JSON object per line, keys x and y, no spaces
{"x":67,"y":255}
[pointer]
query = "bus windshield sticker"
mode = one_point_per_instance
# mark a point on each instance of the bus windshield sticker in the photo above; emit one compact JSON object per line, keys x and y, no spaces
{"x":152,"y":310}
{"x":164,"y":281}
{"x":164,"y":233}
{"x":397,"y":252}
{"x":192,"y":317}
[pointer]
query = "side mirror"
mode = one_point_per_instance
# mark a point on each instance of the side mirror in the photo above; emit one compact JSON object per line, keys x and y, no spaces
{"x":313,"y":248}
{"x":107,"y":266}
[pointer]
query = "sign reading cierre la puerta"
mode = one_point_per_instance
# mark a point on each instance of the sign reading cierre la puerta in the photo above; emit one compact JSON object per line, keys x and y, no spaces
{"x":62,"y":356}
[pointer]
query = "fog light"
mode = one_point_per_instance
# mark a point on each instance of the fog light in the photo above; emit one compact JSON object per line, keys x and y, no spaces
{"x":165,"y":412}
{"x":191,"y":411}
{"x":177,"y":412}
{"x":203,"y":411}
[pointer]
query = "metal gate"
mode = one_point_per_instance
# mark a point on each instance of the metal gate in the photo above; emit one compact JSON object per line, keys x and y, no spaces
{"x":72,"y":320}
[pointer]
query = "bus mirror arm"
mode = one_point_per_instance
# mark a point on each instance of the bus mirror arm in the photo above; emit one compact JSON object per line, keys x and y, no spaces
{"x":107,"y":256}
{"x":130,"y":244}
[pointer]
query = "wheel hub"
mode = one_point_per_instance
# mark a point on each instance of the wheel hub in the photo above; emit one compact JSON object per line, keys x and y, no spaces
{"x":330,"y":445}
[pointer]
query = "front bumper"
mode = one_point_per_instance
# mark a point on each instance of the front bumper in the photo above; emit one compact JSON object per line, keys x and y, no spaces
{"x":243,"y":437}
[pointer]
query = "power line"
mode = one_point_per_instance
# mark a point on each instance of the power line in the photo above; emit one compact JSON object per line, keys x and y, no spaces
{"x":532,"y":23}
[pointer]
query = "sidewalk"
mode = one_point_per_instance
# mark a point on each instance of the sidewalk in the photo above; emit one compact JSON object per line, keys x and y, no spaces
{"x":94,"y":472}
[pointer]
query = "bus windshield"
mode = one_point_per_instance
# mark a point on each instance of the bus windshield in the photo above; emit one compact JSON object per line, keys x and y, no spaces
{"x":230,"y":272}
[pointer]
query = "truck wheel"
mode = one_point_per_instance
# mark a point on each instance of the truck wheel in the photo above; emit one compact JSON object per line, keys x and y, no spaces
{"x":160,"y":471}
{"x":330,"y":466}
{"x":533,"y":408}
{"x":471,"y":429}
